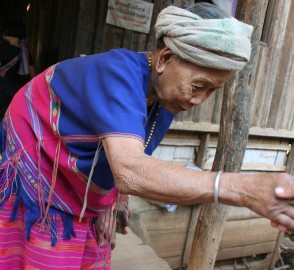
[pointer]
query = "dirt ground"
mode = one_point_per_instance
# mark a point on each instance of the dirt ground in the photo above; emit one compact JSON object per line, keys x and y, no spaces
{"x":131,"y":254}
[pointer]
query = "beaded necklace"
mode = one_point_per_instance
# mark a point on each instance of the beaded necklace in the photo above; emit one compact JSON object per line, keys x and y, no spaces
{"x":149,"y":60}
{"x":153,"y":107}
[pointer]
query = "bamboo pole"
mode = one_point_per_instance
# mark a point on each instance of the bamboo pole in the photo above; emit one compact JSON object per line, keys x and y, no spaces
{"x":233,"y":137}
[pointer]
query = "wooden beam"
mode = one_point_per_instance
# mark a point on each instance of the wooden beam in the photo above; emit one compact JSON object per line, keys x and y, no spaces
{"x":290,"y":160}
{"x":214,"y":128}
{"x":233,"y":137}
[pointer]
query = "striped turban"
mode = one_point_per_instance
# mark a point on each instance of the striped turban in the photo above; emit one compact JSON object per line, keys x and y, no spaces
{"x":215,"y":43}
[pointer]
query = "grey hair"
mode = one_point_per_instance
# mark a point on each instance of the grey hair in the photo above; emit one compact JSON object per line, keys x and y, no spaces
{"x":205,"y":10}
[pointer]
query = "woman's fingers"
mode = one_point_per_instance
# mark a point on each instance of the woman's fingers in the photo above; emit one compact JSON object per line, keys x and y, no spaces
{"x":122,"y":222}
{"x":289,"y":211}
{"x":113,"y":241}
{"x":274,"y":224}
{"x":123,"y":214}
{"x":283,"y":222}
{"x":280,"y":227}
{"x":282,"y":217}
{"x":105,"y":228}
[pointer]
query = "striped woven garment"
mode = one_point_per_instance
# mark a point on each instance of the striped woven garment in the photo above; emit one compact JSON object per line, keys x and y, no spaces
{"x":80,"y":252}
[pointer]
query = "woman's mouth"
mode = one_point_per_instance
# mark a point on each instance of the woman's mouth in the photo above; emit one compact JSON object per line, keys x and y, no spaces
{"x":180,"y":108}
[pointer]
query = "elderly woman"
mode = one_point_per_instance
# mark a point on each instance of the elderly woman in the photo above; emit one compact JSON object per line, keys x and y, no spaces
{"x":81,"y":133}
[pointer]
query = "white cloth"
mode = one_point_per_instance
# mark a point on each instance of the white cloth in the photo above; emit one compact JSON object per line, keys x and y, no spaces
{"x":216,"y":43}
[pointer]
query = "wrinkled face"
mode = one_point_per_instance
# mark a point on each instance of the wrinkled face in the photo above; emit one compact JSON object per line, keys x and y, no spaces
{"x":180,"y":85}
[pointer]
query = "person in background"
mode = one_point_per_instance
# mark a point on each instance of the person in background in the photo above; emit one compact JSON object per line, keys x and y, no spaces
{"x":80,"y":135}
{"x":9,"y":80}
{"x":16,"y":65}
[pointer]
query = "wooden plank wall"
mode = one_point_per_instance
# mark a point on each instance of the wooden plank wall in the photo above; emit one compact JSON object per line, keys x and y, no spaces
{"x":273,"y":85}
{"x":261,"y":155}
{"x":94,"y":35}
{"x":272,"y":78}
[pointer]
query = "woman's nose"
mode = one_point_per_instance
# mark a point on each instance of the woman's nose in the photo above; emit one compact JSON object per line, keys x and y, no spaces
{"x":197,"y":100}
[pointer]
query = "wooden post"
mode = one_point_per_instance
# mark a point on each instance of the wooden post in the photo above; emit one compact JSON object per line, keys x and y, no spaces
{"x":233,"y":137}
{"x":200,"y":160}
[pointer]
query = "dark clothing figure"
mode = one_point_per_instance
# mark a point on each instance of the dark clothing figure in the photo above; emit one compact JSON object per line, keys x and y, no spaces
{"x":16,"y":66}
{"x":10,"y":81}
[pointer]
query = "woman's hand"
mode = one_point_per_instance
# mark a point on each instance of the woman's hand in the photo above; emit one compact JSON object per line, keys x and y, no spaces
{"x":105,"y":228}
{"x":282,"y":194}
{"x":112,"y":221}
{"x":272,"y":196}
{"x":123,"y":214}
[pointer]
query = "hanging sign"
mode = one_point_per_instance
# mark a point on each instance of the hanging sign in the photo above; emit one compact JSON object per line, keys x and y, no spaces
{"x":130,"y":14}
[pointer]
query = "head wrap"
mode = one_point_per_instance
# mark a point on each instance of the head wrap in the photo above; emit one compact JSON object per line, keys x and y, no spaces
{"x":214,"y":43}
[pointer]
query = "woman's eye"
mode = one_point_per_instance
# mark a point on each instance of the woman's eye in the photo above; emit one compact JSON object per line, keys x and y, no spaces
{"x":197,"y":87}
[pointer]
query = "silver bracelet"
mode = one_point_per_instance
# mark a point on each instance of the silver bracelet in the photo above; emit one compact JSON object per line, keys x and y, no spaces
{"x":216,"y":186}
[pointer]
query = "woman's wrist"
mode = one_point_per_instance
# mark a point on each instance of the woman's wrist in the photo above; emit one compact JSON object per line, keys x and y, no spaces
{"x":231,"y":189}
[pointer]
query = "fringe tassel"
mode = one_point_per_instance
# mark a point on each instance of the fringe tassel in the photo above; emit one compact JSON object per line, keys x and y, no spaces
{"x":67,"y":221}
{"x":89,"y":181}
{"x":8,"y":178}
{"x":52,"y":222}
{"x":10,"y":184}
{"x":39,"y":189}
{"x":54,"y":176}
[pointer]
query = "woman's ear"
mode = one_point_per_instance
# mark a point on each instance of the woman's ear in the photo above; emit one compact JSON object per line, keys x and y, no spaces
{"x":163,"y":58}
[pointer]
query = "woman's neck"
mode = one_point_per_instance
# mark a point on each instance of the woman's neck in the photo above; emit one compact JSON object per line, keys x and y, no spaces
{"x":151,"y":97}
